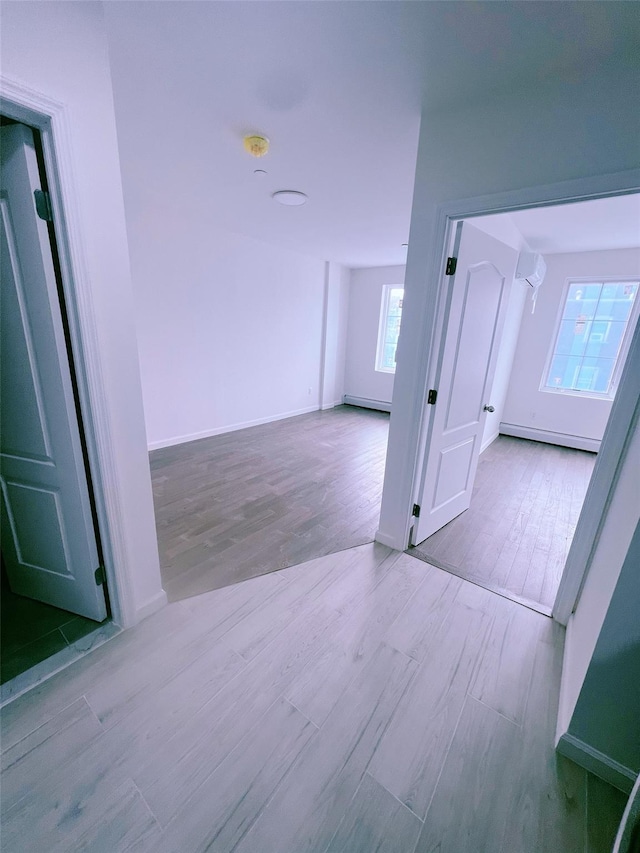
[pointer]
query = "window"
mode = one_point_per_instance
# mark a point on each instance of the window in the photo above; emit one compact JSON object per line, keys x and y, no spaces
{"x":389,"y":328}
{"x":594,"y":332}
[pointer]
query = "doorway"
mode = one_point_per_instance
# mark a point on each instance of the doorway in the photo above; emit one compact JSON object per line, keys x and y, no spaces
{"x":54,"y":590}
{"x":533,"y":475}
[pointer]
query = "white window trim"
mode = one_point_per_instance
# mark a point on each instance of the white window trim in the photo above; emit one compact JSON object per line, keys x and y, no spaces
{"x":382,"y":323}
{"x":624,"y":346}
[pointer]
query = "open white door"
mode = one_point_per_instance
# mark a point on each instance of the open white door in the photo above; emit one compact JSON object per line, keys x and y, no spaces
{"x":473,"y":319}
{"x":48,"y":539}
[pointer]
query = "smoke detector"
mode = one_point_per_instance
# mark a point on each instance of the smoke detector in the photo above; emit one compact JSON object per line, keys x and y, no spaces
{"x":257,"y":146}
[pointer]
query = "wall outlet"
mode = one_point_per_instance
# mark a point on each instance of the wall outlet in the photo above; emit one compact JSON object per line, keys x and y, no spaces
{"x":308,"y":390}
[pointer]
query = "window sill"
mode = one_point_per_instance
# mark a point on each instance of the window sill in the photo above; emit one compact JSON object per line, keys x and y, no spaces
{"x":590,"y":395}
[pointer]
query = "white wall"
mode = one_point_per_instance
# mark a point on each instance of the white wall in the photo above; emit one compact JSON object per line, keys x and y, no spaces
{"x":362,"y":380}
{"x":561,"y":414}
{"x":59,"y":50}
{"x":606,"y":715}
{"x":230,"y":330}
{"x":597,"y":605}
{"x":558,"y":130}
{"x":506,"y":355}
{"x":336,"y":309}
{"x":502,"y":228}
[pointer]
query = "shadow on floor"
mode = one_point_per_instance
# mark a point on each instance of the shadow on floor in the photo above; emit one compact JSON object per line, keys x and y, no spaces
{"x":31,"y":632}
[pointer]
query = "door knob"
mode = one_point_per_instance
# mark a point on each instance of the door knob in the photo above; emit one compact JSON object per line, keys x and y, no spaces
{"x":489,"y":409}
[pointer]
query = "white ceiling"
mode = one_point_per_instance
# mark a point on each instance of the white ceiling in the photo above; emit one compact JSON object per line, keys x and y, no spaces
{"x":587,"y":226}
{"x":338,"y":88}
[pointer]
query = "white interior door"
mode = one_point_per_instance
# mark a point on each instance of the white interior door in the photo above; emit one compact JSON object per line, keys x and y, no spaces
{"x":48,"y":539}
{"x":473,"y":319}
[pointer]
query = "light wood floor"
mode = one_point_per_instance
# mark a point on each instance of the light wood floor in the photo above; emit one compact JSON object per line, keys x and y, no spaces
{"x":260,"y":499}
{"x":364,"y":701}
{"x":515,"y":536}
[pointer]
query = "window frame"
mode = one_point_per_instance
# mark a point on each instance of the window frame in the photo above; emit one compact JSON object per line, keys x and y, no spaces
{"x":624,"y":345}
{"x":382,"y":326}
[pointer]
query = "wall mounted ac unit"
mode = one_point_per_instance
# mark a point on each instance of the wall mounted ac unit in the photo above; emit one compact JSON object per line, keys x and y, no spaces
{"x":531,"y":269}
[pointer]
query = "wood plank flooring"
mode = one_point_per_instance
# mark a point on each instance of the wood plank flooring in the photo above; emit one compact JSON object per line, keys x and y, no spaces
{"x":362,"y":701}
{"x":253,"y":501}
{"x":515,"y":537}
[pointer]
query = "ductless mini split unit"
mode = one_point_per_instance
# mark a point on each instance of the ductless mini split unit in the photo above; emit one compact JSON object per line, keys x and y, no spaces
{"x":531,"y":269}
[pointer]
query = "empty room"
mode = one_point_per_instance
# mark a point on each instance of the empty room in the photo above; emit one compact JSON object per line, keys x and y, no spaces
{"x":341,"y":303}
{"x":547,"y":400}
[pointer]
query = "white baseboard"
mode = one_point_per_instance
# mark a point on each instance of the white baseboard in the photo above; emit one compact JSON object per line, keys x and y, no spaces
{"x":366,"y":403}
{"x":151,"y":606}
{"x":567,"y":701}
{"x":207,"y":433}
{"x":489,"y":441}
{"x":389,"y":541}
{"x":563,"y":439}
{"x":597,"y":762}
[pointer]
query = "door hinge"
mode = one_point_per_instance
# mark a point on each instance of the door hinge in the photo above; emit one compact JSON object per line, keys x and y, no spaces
{"x":452,"y":263}
{"x":43,"y":205}
{"x":432,"y":396}
{"x":416,"y":511}
{"x":100,"y":575}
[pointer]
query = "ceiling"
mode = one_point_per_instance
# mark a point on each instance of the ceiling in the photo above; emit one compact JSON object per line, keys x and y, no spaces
{"x":586,"y":226}
{"x":338,"y":88}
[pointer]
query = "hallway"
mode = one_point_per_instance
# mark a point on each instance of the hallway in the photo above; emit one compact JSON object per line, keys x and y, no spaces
{"x":360,"y":701}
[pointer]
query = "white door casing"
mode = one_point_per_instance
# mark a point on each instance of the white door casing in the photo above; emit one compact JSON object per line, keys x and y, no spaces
{"x":48,"y":537}
{"x":474,"y":315}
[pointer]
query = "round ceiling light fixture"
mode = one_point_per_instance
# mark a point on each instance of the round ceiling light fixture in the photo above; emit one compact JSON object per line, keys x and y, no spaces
{"x":289,"y":197}
{"x":255,"y":145}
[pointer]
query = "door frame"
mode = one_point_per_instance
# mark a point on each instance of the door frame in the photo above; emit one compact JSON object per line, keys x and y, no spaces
{"x":50,"y":118}
{"x":410,"y":423}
